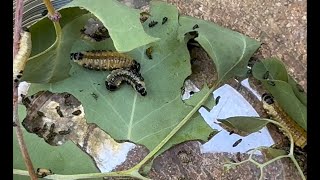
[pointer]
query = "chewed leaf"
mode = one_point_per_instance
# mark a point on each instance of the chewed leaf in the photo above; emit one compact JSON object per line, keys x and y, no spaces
{"x":126,"y":115}
{"x":282,"y":91}
{"x":59,"y":159}
{"x":52,"y":64}
{"x":229,"y":50}
{"x":243,"y":125}
{"x":122,"y":22}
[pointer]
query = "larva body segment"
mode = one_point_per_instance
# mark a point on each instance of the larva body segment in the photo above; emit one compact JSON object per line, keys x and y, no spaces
{"x":118,"y":76}
{"x":275,"y":111}
{"x":22,"y":56}
{"x":104,"y":60}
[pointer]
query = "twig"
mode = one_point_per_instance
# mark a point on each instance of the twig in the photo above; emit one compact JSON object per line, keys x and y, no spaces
{"x":22,"y":145}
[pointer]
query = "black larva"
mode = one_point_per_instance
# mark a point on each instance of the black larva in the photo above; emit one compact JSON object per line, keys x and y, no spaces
{"x":116,"y":77}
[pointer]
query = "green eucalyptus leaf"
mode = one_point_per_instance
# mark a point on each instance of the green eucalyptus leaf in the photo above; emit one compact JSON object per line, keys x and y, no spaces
{"x":229,"y":50}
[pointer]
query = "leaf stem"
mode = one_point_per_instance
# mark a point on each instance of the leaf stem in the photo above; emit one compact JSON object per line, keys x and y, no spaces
{"x":52,"y":12}
{"x":127,"y":173}
{"x":22,"y":145}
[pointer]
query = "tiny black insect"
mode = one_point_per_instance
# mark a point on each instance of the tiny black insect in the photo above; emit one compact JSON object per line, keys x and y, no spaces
{"x":65,"y":132}
{"x":59,"y":111}
{"x":42,"y":172}
{"x":50,"y":137}
{"x":231,"y":132}
{"x":266,"y":75}
{"x":149,"y":52}
{"x":164,"y":20}
{"x":36,"y":130}
{"x":271,"y":83}
{"x":41,"y":114}
{"x":116,"y":77}
{"x":191,"y":93}
{"x":217,"y":99}
{"x":94,"y":96}
{"x":52,"y":126}
{"x":77,"y":112}
{"x":195,"y":27}
{"x":236,"y":143}
{"x":153,"y":23}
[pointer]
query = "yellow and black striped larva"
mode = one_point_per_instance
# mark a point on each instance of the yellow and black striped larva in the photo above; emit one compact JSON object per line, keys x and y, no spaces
{"x":153,"y":23}
{"x":94,"y":31}
{"x":275,"y":111}
{"x":164,"y":20}
{"x":144,"y":16}
{"x":104,"y":60}
{"x":149,"y":52}
{"x":42,"y":172}
{"x":116,"y":77}
{"x":22,"y":56}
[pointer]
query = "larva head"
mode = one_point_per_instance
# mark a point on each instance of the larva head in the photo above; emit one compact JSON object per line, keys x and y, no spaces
{"x":267,"y":98}
{"x":136,"y":66}
{"x":110,"y":86}
{"x":76,"y":56}
{"x":141,"y":89}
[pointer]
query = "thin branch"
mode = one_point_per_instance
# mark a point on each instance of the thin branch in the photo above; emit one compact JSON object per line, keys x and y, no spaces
{"x":22,"y":145}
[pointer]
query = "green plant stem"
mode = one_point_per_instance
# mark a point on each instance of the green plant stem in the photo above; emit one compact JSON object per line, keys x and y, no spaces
{"x":128,"y":173}
{"x":21,"y":142}
{"x":290,"y":155}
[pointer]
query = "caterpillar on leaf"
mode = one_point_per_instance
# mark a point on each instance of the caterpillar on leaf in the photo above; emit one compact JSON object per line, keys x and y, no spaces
{"x":118,"y":76}
{"x":104,"y":60}
{"x":273,"y":109}
{"x":22,"y":56}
